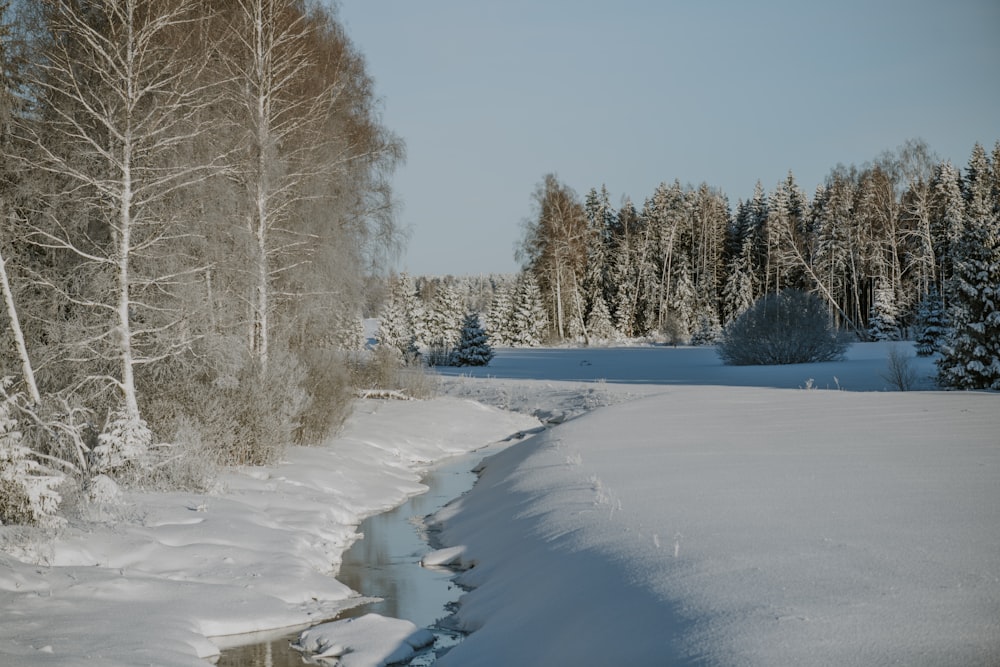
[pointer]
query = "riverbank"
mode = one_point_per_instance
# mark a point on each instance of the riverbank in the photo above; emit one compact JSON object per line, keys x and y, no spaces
{"x":150,"y":578}
{"x":732,"y":525}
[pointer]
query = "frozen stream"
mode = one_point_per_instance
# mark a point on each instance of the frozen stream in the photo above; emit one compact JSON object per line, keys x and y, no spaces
{"x":385,"y":563}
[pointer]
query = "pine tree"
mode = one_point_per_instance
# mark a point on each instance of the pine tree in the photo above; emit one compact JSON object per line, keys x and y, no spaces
{"x":683,"y":305}
{"x":883,"y":323}
{"x":473,"y":347}
{"x":396,"y":330}
{"x":528,"y":322}
{"x":739,"y":291}
{"x":499,"y":318}
{"x":444,"y":317}
{"x":599,"y":321}
{"x":946,"y":221}
{"x":930,"y":323}
{"x":707,"y":330}
{"x":971,"y":357}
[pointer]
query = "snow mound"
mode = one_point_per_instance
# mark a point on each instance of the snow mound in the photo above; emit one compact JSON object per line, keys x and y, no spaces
{"x":371,"y":640}
{"x":444,"y":557}
{"x":735,"y":526}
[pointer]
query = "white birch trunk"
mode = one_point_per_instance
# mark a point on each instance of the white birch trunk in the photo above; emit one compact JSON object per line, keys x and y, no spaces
{"x":15,"y":327}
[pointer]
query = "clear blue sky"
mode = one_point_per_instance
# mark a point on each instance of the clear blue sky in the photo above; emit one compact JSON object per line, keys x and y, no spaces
{"x":490,"y":96}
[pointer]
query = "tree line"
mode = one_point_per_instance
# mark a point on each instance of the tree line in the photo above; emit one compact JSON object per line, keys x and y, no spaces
{"x":191,"y":193}
{"x":873,"y":242}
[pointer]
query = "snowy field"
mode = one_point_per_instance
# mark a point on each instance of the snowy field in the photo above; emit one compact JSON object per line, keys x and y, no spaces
{"x":678,"y":512}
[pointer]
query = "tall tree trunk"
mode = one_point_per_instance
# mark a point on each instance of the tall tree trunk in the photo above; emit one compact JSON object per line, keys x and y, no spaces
{"x":15,"y":327}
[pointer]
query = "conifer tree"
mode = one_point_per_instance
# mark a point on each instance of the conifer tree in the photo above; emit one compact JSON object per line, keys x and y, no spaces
{"x":396,"y":328}
{"x":883,"y":323}
{"x":499,"y":318}
{"x":739,"y":291}
{"x":946,"y":222}
{"x":443,"y":317}
{"x":473,"y":347}
{"x":971,"y":357}
{"x":529,"y":321}
{"x":707,"y":330}
{"x":599,"y":321}
{"x":931,"y":327}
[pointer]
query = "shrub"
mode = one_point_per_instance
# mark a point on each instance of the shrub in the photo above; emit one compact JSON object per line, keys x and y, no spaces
{"x":328,"y":384}
{"x":899,"y":371}
{"x":28,"y":489}
{"x":792,"y":327}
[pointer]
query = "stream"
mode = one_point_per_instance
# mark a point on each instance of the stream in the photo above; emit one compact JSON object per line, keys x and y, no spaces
{"x":385,"y":563}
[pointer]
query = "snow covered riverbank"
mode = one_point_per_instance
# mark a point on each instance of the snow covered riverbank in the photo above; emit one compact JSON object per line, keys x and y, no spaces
{"x":729,"y":526}
{"x":674,"y":522}
{"x":156,"y":575}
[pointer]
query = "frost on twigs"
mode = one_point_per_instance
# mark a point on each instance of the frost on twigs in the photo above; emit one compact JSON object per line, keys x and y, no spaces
{"x":28,"y":489}
{"x":122,"y":447}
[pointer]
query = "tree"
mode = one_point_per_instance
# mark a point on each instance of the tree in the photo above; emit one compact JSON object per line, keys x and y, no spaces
{"x":528,"y":322}
{"x":883,"y":322}
{"x":948,"y":212}
{"x":473,"y":348}
{"x":443,"y":317}
{"x":627,"y":256}
{"x":791,"y":327}
{"x":398,"y":319}
{"x":739,"y":290}
{"x":931,"y":326}
{"x":599,"y":323}
{"x":7,"y":110}
{"x":117,"y":104}
{"x":555,"y":250}
{"x":499,"y":318}
{"x":971,"y":357}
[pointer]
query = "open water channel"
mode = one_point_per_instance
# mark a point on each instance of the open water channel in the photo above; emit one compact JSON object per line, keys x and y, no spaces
{"x":385,"y":563}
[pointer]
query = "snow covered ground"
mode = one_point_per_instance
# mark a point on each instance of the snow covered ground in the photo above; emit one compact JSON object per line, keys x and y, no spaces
{"x":152,"y":577}
{"x":678,"y":512}
{"x":727,"y":525}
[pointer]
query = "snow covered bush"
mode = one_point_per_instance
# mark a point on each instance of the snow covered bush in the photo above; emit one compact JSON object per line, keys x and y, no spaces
{"x":122,"y":446}
{"x":28,"y":489}
{"x":473,"y":347}
{"x":792,"y":327}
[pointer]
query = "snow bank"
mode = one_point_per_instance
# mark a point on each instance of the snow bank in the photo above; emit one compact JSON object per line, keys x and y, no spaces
{"x":368,"y":641}
{"x":162,"y":571}
{"x":733,"y":526}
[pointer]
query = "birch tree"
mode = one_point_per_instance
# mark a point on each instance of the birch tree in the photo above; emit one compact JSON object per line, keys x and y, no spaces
{"x":114,"y":110}
{"x":308,"y":156}
{"x":555,"y":248}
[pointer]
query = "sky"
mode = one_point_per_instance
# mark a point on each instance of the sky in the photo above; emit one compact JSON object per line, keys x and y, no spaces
{"x":490,"y":97}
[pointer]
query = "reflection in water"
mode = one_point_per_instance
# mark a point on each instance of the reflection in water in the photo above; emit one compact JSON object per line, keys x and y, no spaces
{"x":386,"y":563}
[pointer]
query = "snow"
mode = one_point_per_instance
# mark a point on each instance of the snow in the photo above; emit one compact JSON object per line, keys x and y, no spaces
{"x":155,"y":575}
{"x":738,"y":526}
{"x":675,"y":511}
{"x":368,"y":641}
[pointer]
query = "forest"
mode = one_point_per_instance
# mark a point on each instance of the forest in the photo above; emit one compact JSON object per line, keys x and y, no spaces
{"x":907,"y":246}
{"x":191,"y":194}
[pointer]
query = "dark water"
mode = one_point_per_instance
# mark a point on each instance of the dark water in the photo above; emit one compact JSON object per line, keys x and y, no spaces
{"x":385,"y":563}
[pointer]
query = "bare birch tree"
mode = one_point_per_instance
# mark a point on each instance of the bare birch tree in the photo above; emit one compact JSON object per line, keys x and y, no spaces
{"x":115,"y":107}
{"x":304,"y":140}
